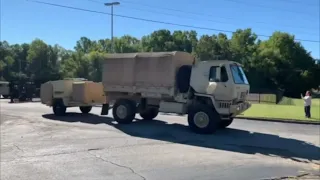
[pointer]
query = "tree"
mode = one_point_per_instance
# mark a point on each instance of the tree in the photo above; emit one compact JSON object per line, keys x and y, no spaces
{"x":276,"y":63}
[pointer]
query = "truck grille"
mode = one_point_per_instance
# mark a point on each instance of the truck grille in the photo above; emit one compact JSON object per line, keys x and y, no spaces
{"x":224,"y":104}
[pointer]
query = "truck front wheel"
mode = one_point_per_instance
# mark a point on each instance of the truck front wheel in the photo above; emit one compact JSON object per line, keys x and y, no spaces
{"x":85,"y":109}
{"x":59,"y":109}
{"x":149,"y":113}
{"x":203,"y":119}
{"x":225,"y":123}
{"x":124,"y":111}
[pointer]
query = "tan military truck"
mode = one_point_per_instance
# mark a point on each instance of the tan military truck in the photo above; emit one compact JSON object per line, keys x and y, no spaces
{"x":4,"y":89}
{"x":212,"y":93}
{"x":72,"y":92}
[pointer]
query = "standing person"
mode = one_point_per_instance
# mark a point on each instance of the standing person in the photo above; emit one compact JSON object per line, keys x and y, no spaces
{"x":307,"y":104}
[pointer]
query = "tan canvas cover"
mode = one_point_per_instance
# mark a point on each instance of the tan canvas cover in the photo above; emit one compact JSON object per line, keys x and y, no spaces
{"x":88,"y":92}
{"x":157,"y":69}
{"x":46,"y":93}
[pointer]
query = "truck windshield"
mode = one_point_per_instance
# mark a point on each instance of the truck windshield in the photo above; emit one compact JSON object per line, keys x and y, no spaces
{"x":238,"y":74}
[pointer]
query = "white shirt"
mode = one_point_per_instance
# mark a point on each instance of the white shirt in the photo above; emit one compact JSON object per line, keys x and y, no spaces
{"x":307,"y":100}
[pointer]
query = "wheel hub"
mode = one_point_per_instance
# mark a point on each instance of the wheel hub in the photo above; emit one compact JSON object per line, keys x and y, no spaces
{"x":121,"y":111}
{"x":201,"y":119}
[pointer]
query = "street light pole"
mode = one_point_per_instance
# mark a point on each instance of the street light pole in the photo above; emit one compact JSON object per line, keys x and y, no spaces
{"x":112,"y":4}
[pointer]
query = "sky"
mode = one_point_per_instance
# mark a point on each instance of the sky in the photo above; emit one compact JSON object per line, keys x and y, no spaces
{"x":23,"y":21}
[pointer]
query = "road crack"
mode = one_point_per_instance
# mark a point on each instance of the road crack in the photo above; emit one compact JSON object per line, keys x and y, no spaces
{"x":18,"y":147}
{"x":119,"y":165}
{"x":303,"y":175}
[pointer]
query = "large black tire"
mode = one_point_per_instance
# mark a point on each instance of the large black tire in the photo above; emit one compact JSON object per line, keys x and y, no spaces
{"x":210,"y":119}
{"x":225,"y":123}
{"x":85,"y":109}
{"x":124,"y":111}
{"x":183,"y":78}
{"x":59,"y":109}
{"x":149,"y":113}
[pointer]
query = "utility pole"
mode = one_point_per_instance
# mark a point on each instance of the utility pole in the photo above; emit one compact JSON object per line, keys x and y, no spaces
{"x":112,"y":4}
{"x":20,"y":69}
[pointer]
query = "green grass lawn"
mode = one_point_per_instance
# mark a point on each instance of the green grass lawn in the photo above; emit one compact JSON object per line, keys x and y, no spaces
{"x":282,"y":111}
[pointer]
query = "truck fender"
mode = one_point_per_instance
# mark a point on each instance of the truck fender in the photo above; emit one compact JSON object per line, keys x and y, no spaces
{"x":209,"y":97}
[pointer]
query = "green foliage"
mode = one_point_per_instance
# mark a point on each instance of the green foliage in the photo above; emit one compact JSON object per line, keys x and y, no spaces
{"x":278,"y":62}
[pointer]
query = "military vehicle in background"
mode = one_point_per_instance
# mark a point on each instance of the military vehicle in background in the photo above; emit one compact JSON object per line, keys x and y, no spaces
{"x":21,"y":91}
{"x":4,"y":89}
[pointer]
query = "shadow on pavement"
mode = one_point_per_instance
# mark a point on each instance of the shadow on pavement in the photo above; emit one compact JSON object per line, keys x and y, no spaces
{"x":234,"y":140}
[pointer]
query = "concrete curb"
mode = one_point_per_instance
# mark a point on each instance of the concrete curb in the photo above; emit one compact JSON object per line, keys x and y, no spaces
{"x":280,"y":120}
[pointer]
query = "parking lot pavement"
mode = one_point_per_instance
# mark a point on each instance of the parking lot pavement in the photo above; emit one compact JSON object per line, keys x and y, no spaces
{"x":37,"y":145}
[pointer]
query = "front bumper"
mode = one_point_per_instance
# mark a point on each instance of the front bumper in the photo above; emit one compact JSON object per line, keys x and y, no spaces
{"x":239,"y":108}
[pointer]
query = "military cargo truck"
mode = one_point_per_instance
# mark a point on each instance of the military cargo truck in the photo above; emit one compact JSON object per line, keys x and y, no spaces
{"x":210,"y":92}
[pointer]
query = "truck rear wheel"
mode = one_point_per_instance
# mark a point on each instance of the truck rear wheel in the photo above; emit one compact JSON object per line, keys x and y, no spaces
{"x":225,"y":123}
{"x":149,"y":113}
{"x":59,"y":109}
{"x":203,"y":119}
{"x":85,"y":109}
{"x":124,"y":111}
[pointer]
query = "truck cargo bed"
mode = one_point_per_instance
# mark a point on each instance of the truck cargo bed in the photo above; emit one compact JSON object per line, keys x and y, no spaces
{"x":145,"y":73}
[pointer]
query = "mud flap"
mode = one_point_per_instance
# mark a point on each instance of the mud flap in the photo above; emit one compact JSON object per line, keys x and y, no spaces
{"x":105,"y":109}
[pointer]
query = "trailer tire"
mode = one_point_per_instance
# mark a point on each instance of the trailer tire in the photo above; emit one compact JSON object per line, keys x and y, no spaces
{"x":202,"y":119}
{"x":149,"y":113}
{"x":225,"y":123}
{"x":85,"y":109}
{"x":183,"y":78}
{"x":59,"y":109}
{"x":124,"y":111}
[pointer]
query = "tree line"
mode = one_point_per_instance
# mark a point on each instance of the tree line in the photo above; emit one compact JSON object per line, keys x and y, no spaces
{"x":276,"y":63}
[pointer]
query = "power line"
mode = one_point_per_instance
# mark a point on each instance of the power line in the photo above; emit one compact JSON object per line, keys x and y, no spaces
{"x":175,"y":15}
{"x":299,"y":2}
{"x":154,"y":21}
{"x":198,"y":14}
{"x":268,"y":7}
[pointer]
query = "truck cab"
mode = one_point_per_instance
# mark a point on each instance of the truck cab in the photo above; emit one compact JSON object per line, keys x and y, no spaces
{"x":224,"y":81}
{"x":222,"y":86}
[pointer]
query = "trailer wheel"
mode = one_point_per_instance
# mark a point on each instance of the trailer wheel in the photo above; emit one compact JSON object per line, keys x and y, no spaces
{"x":85,"y":109}
{"x":203,"y":119}
{"x":149,"y":113}
{"x":59,"y":109}
{"x":124,"y":111}
{"x":225,"y":123}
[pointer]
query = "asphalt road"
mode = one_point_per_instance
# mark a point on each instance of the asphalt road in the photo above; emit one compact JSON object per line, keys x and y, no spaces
{"x":36,"y":145}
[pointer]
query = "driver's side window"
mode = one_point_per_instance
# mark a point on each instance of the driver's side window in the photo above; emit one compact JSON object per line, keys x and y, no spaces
{"x":213,"y":74}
